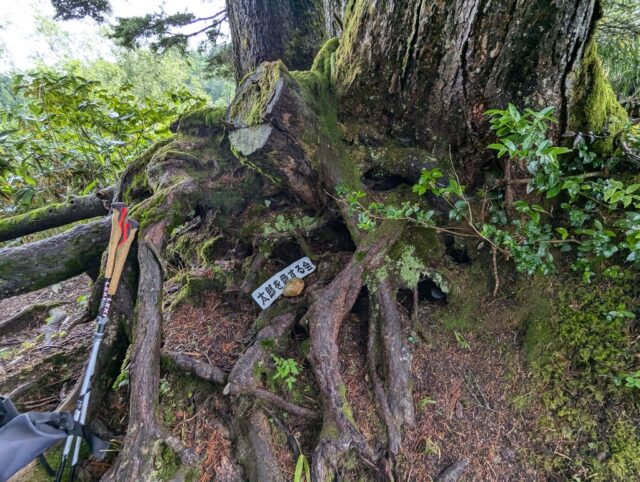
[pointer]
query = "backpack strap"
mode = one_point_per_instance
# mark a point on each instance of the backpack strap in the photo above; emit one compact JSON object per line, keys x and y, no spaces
{"x":56,"y":420}
{"x":64,"y":421}
{"x":8,"y":411}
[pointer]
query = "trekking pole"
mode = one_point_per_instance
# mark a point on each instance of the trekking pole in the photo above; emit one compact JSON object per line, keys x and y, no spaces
{"x":128,"y":233}
{"x":122,"y":233}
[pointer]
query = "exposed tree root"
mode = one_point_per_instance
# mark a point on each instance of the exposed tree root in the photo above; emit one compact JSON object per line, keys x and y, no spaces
{"x":397,"y":357}
{"x":136,"y":460}
{"x":198,"y":368}
{"x":243,"y":375}
{"x":250,"y":279}
{"x":329,"y":308}
{"x":33,"y":266}
{"x":243,"y":379}
{"x":279,"y":402}
{"x":453,"y":472}
{"x":255,"y":449}
{"x":382,"y":404}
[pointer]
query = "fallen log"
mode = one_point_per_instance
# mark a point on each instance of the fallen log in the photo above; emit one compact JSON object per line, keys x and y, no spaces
{"x":55,"y":215}
{"x":35,"y":265}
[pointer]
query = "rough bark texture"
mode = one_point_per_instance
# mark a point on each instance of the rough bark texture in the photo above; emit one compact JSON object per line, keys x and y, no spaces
{"x":145,"y":440}
{"x":55,"y":215}
{"x":145,"y":372}
{"x":256,"y":449}
{"x":267,"y":114}
{"x":289,"y":30}
{"x":201,"y":369}
{"x":396,"y":355}
{"x":426,"y":71}
{"x":43,"y":263}
{"x":333,"y":15}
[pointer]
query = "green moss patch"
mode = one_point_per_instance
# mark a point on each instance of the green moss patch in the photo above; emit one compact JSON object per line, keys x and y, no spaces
{"x":165,"y":461}
{"x":593,"y":103}
{"x":207,"y":117}
{"x":578,"y":344}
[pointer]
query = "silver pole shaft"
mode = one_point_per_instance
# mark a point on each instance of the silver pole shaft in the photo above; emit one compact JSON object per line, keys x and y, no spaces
{"x":82,"y":406}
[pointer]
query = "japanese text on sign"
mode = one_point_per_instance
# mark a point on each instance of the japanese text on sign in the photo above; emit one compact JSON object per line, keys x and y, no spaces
{"x":271,"y":289}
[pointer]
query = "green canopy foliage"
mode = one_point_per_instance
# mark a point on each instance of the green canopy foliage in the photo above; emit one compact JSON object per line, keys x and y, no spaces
{"x":150,"y":74}
{"x":161,"y":30}
{"x":70,"y":9}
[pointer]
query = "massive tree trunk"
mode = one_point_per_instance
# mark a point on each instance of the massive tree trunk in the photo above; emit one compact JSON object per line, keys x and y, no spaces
{"x":240,"y":193}
{"x":425,"y":72}
{"x":291,"y":30}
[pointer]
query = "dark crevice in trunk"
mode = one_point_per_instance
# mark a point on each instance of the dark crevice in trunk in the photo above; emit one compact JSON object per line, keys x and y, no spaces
{"x":378,"y":179}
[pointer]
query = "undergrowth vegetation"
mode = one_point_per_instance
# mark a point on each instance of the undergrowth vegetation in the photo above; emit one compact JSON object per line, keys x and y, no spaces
{"x":69,"y":135}
{"x":580,"y":344}
{"x":574,"y":214}
{"x":573,"y":201}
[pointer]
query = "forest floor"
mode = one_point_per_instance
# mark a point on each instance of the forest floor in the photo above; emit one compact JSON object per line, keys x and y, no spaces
{"x":471,"y":389}
{"x":33,"y":341}
{"x":471,"y":385}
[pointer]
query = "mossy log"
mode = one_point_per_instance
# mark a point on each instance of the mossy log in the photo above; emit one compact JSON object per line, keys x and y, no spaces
{"x":55,"y":215}
{"x":35,"y":265}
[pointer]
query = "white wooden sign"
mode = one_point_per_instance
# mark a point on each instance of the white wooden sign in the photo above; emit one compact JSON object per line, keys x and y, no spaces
{"x":272,"y":289}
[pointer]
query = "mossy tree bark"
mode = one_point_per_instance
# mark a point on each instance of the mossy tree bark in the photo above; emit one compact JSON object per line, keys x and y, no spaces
{"x":261,"y":30}
{"x":424,"y":72}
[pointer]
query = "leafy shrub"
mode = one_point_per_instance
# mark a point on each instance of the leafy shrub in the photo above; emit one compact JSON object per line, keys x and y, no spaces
{"x":286,"y":370}
{"x":598,"y":217}
{"x":68,"y":135}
